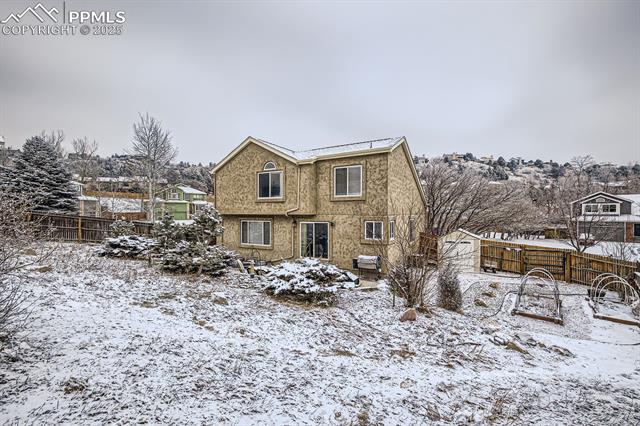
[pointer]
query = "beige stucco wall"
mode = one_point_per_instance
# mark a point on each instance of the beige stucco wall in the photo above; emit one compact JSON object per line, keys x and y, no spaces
{"x":404,"y":199}
{"x":236,"y":183}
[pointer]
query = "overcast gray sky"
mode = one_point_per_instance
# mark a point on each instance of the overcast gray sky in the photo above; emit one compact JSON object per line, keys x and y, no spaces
{"x":545,"y":80}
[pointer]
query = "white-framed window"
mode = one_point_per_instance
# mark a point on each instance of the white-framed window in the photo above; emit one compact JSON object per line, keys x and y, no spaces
{"x":347,"y":181}
{"x":174,"y":195}
{"x":373,"y":230}
{"x":255,"y":232}
{"x":412,"y":229}
{"x":269,"y":165}
{"x":392,"y":229}
{"x":270,"y":184}
{"x":600,"y":208}
{"x":590,"y":208}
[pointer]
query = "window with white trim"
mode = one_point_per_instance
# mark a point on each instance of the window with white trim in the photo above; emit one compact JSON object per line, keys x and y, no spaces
{"x":269,"y":165}
{"x":174,"y":195}
{"x":590,"y":208}
{"x":412,"y":229}
{"x":347,"y":181}
{"x":255,"y":232}
{"x":392,"y":229}
{"x":373,"y":230}
{"x":603,"y":208}
{"x":270,"y":185}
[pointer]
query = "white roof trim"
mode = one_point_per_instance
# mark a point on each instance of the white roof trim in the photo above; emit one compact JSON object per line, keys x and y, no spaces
{"x":602,"y":194}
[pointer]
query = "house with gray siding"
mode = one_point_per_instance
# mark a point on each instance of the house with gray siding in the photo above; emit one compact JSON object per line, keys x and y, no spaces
{"x":609,"y":217}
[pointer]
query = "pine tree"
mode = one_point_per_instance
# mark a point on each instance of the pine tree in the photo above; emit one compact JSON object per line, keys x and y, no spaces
{"x":39,"y":174}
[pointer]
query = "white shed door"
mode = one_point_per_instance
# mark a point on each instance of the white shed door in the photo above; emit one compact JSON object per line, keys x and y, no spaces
{"x":460,"y":253}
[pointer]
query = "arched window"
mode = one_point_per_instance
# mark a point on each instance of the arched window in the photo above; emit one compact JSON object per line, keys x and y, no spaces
{"x":269,"y":165}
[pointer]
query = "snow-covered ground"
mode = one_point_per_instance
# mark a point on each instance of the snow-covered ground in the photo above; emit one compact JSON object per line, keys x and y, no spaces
{"x":122,"y":205}
{"x":116,"y":341}
{"x":603,"y":248}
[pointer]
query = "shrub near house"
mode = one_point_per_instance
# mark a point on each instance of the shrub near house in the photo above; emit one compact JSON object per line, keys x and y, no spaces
{"x":331,"y":203}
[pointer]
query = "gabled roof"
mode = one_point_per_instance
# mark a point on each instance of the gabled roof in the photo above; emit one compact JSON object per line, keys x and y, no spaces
{"x":334,"y":151}
{"x":338,"y":150}
{"x":190,"y":190}
{"x":312,"y":155}
{"x":622,"y":197}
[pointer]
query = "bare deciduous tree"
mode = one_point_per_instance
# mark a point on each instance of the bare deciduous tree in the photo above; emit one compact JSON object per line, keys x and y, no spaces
{"x":17,"y":252}
{"x":412,"y":257}
{"x":582,"y":230}
{"x":84,"y":151}
{"x":55,"y":138}
{"x":467,"y":200}
{"x":153,"y":153}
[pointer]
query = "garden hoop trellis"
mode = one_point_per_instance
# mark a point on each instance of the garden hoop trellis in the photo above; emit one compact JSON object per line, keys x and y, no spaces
{"x":543,"y":275}
{"x":598,"y":293}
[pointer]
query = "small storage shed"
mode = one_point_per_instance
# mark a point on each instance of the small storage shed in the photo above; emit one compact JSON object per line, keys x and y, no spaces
{"x":463,"y":248}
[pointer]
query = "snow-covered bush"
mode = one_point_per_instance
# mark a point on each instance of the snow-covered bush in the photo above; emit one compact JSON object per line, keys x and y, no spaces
{"x":195,"y":257}
{"x":206,"y":226}
{"x":129,"y":246}
{"x":307,"y":280}
{"x":450,"y":295}
{"x":167,"y":233}
{"x":120,"y":228}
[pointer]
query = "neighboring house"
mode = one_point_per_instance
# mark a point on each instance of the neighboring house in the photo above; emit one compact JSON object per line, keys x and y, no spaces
{"x":121,"y":183}
{"x":87,"y":206}
{"x":609,"y":217}
{"x":181,"y":202}
{"x":333,"y":203}
{"x":7,"y":154}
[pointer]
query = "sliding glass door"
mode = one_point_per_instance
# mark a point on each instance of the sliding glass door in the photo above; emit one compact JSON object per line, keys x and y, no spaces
{"x":314,"y":239}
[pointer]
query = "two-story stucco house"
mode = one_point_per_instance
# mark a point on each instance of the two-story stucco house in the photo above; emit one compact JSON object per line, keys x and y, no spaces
{"x":333,"y":203}
{"x":609,"y":217}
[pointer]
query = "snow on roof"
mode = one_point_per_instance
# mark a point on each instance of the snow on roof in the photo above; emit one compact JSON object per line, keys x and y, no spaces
{"x":190,"y":190}
{"x":635,"y":203}
{"x":336,"y":149}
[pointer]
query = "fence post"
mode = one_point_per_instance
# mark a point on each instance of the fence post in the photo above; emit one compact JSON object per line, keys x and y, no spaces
{"x":523,"y":266}
{"x":79,"y":229}
{"x":567,"y":266}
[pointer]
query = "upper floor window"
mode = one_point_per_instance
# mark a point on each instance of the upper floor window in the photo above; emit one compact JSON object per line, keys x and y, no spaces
{"x":603,"y":208}
{"x":269,"y":165}
{"x":373,"y":230}
{"x":412,"y":229}
{"x":347,"y":181}
{"x":392,"y":229}
{"x":174,"y":195}
{"x":270,"y":184}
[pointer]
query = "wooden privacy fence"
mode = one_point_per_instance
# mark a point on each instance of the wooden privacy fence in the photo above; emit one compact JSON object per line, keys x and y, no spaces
{"x":82,"y":229}
{"x":565,"y":264}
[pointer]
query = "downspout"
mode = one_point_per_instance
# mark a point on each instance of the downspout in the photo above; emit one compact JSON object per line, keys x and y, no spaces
{"x":293,"y":233}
